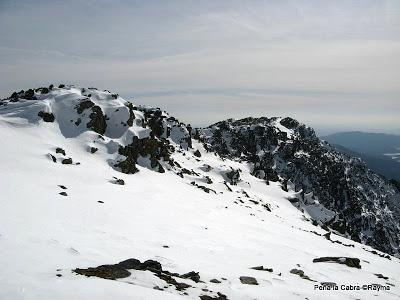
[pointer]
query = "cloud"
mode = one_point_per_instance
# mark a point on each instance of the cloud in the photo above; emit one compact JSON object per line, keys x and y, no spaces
{"x":312,"y":60}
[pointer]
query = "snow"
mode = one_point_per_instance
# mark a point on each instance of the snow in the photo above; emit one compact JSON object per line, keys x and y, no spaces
{"x":213,"y":234}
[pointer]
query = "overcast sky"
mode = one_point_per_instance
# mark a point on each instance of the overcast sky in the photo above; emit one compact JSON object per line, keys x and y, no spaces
{"x":334,"y":65}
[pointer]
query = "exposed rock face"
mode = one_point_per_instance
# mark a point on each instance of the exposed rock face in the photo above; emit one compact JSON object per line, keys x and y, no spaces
{"x":356,"y":202}
{"x":97,"y":120}
{"x":47,"y":117}
{"x":153,"y":147}
{"x":233,"y":176}
{"x":85,"y":104}
{"x":156,"y":147}
{"x":131,"y":114}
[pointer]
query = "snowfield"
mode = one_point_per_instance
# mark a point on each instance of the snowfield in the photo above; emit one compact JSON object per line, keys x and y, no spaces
{"x":165,"y":217}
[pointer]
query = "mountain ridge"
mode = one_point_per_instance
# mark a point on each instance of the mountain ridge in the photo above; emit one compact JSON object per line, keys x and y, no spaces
{"x":191,"y":189}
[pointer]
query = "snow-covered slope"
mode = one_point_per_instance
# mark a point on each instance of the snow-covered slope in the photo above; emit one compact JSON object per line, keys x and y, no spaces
{"x":89,"y":179}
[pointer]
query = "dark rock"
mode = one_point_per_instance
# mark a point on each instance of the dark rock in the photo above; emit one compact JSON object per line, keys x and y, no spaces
{"x":381,"y":276}
{"x":44,"y":90}
{"x":233,"y":176}
{"x":105,"y":271}
{"x":131,"y":114}
{"x":192,"y":275}
{"x":219,"y":296}
{"x":131,"y":263}
{"x":66,"y":161}
{"x":180,"y":286}
{"x":248,"y":280}
{"x":61,"y":86}
{"x":100,"y":201}
{"x":60,"y":150}
{"x":327,"y":235}
{"x":300,"y":273}
{"x":86,"y":104}
{"x":58,"y":275}
{"x":93,"y":150}
{"x":154,"y":148}
{"x":261,"y":268}
{"x":29,"y":95}
{"x":47,"y":117}
{"x":204,"y":188}
{"x":118,"y":181}
{"x":63,"y":194}
{"x":214,"y":280}
{"x":151,"y":265}
{"x":197,"y":153}
{"x":63,"y":187}
{"x":53,"y":158}
{"x":289,"y":123}
{"x":348,"y":261}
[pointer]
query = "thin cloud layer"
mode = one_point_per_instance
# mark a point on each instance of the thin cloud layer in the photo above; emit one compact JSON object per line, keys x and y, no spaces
{"x":334,"y":65}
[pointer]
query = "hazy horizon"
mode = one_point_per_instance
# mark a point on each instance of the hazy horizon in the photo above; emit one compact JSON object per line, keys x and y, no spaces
{"x":332,"y":65}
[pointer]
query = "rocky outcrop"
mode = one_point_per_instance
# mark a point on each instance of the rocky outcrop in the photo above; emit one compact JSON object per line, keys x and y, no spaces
{"x":355,"y":202}
{"x":151,"y":147}
{"x":97,"y":120}
{"x":46,"y":116}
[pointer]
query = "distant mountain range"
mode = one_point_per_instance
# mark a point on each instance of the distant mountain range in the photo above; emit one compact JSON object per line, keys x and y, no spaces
{"x":380,"y":151}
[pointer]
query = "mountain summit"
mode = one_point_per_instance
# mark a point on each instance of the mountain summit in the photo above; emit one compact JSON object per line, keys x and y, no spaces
{"x":97,"y":186}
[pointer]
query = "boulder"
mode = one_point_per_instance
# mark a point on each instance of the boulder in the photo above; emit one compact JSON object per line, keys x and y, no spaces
{"x":47,"y":117}
{"x":248,"y":280}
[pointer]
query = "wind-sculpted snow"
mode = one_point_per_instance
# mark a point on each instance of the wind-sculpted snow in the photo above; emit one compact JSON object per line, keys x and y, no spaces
{"x":140,"y":135}
{"x":103,"y":198}
{"x":334,"y":189}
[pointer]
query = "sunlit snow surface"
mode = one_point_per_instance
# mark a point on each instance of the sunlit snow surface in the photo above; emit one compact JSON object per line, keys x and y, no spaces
{"x":214,"y":234}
